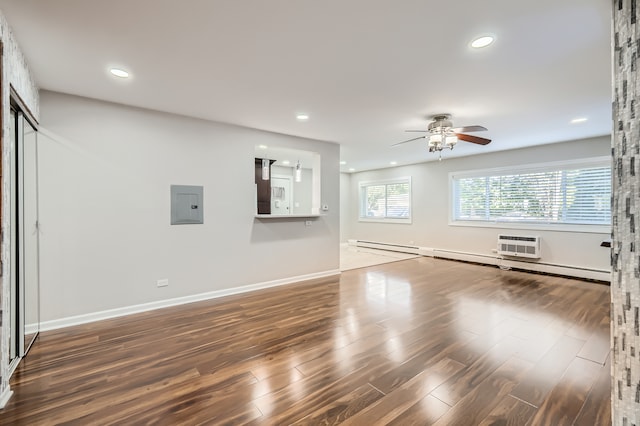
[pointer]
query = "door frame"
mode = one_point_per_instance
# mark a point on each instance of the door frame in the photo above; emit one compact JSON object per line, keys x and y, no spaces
{"x":290,"y":196}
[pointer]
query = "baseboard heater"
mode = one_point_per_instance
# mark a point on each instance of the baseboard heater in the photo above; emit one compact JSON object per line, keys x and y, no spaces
{"x":401,"y":248}
{"x":522,"y":264}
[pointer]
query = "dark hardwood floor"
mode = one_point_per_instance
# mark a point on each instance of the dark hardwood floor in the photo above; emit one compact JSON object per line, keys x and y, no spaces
{"x":421,"y":341}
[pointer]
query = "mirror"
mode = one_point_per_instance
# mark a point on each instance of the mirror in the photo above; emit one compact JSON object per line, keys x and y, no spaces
{"x":287,"y":182}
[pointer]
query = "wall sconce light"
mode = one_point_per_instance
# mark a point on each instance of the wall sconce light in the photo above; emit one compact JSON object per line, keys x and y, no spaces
{"x":265,"y":169}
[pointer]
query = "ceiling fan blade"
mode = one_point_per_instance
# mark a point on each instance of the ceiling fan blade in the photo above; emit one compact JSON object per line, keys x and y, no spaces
{"x":423,"y":131}
{"x":414,"y":139}
{"x":469,"y":129}
{"x":473,"y":139}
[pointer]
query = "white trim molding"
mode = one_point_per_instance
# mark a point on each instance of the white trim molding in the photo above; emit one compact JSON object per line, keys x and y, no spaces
{"x":5,"y":396}
{"x":144,"y":307}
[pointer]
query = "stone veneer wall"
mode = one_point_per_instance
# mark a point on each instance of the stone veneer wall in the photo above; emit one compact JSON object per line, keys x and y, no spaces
{"x":15,"y":72}
{"x":625,"y":255}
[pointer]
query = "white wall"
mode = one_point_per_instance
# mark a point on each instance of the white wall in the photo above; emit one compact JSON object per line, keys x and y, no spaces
{"x":303,"y":192}
{"x":345,"y":206}
{"x":430,"y":198}
{"x":105,"y":172}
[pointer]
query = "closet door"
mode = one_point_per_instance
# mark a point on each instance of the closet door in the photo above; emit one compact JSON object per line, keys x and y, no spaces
{"x":29,"y":255}
{"x":23,"y":210}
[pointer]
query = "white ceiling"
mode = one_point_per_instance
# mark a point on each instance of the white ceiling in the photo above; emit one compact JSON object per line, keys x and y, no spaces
{"x":364,"y":70}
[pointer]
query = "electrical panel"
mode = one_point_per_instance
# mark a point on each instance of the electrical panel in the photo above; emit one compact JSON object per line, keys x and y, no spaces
{"x":187,"y":204}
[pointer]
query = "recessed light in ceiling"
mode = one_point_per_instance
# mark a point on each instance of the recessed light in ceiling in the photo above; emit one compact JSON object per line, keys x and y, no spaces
{"x":483,"y":41}
{"x":352,"y":169}
{"x":286,"y":162}
{"x":263,"y":146}
{"x":342,"y":163}
{"x":393,"y":163}
{"x":578,"y":120}
{"x":119,"y":72}
{"x":302,"y":117}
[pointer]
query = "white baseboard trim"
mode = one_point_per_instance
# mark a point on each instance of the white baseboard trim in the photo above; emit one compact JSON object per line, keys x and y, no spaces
{"x":134,"y":309}
{"x":5,"y":396}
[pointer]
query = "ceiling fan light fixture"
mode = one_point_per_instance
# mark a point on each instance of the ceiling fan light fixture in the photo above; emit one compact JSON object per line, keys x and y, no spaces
{"x":483,"y":41}
{"x":435,"y":139}
{"x":441,"y":134}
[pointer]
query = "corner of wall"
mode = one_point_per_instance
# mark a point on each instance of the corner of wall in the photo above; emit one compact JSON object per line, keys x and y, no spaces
{"x":16,"y":74}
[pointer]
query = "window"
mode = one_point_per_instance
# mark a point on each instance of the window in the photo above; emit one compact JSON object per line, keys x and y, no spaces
{"x":386,"y":201}
{"x":567,"y":193}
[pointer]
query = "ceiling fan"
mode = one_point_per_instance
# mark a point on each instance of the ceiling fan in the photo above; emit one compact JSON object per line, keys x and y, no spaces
{"x":441,"y":134}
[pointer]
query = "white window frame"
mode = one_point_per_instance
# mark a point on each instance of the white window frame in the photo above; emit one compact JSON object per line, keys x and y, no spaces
{"x":364,"y":184}
{"x":523,"y":169}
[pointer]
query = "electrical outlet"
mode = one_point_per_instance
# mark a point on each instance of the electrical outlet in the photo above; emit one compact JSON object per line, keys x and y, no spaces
{"x":162,"y":283}
{"x":325,"y":207}
{"x":307,"y":223}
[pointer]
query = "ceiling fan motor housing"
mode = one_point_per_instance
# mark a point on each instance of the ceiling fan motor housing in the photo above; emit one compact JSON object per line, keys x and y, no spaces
{"x":440,"y":122}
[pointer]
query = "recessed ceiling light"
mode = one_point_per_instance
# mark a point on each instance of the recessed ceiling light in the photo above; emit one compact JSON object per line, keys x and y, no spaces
{"x":342,"y":163}
{"x":483,"y":41}
{"x":302,"y":117}
{"x":352,"y":169}
{"x":263,"y":146}
{"x":579,"y":120}
{"x":119,"y":73}
{"x":285,"y":162}
{"x":393,"y":163}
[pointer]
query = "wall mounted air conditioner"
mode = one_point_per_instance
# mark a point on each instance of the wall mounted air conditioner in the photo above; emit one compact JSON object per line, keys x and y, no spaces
{"x":519,"y":246}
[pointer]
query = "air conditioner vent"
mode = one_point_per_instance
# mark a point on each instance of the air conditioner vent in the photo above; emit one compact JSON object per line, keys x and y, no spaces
{"x":519,"y":246}
{"x":517,"y":238}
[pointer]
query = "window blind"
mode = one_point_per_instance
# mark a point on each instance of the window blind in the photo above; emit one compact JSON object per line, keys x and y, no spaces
{"x":563,"y":195}
{"x":390,"y":200}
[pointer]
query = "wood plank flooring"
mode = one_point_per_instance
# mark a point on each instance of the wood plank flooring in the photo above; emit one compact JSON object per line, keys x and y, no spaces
{"x":421,"y":341}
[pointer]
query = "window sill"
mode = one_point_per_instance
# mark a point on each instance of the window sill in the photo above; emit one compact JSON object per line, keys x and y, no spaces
{"x":587,"y":229}
{"x":286,"y":216}
{"x":383,"y":220}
